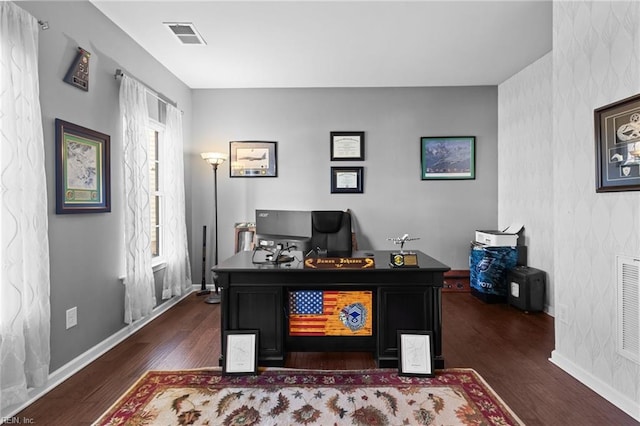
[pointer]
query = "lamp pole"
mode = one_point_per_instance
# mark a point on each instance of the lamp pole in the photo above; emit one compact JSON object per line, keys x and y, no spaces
{"x":215,"y":159}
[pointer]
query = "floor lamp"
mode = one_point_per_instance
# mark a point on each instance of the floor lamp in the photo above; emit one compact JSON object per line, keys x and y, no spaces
{"x":215,"y":159}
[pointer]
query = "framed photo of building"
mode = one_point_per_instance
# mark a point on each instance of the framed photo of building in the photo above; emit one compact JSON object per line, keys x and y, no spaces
{"x":415,"y":353}
{"x":617,"y":138}
{"x":448,"y":157}
{"x":83,"y":174}
{"x":240,"y":352}
{"x":253,"y":159}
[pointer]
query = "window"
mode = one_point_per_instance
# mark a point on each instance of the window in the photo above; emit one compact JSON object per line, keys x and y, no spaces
{"x":155,"y":189}
{"x":155,"y":133}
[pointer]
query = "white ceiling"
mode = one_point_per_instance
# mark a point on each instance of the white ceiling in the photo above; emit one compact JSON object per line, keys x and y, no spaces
{"x":340,"y":43}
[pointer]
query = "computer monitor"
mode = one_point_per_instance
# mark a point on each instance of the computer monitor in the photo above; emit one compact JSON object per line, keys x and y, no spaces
{"x":285,"y":227}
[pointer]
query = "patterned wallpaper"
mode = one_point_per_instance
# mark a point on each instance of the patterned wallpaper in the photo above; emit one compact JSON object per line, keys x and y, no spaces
{"x":573,"y":232}
{"x":525,"y":166}
{"x":596,"y":53}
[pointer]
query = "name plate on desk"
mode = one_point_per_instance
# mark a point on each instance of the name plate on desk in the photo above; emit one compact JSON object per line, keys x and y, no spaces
{"x":339,"y":262}
{"x":404,"y":260}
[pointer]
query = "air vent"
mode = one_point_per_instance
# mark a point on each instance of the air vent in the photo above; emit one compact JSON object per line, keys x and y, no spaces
{"x":186,"y":32}
{"x":628,"y":314}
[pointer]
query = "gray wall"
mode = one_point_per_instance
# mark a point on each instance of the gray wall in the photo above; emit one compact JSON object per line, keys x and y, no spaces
{"x":444,"y":214}
{"x":87,"y":249}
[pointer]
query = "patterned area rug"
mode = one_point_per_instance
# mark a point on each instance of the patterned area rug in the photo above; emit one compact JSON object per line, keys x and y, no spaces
{"x":303,"y":397}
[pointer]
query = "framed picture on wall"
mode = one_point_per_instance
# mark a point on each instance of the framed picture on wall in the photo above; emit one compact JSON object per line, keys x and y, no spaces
{"x":448,"y":157}
{"x":617,"y":137}
{"x":346,"y":180}
{"x":347,"y":146}
{"x":83,"y":176}
{"x":253,"y":159}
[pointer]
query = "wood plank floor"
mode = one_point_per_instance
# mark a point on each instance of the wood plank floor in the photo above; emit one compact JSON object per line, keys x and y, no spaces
{"x":509,"y":348}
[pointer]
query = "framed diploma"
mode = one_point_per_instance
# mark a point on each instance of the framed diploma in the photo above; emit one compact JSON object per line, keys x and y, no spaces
{"x":415,"y":353}
{"x":347,"y":146}
{"x":240,"y":352}
{"x":346,"y":180}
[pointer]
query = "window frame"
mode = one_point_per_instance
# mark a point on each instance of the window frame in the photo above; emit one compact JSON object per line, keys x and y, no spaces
{"x":159,"y":129}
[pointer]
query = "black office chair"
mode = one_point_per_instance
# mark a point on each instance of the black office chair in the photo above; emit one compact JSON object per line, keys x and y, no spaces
{"x":331,"y":231}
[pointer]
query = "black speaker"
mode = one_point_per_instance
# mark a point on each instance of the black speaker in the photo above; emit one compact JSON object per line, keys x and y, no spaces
{"x":526,"y":287}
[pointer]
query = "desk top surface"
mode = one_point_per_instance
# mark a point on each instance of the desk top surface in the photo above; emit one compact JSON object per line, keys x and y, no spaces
{"x":243,"y":261}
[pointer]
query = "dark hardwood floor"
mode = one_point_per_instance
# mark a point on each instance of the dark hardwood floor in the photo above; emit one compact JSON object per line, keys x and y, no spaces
{"x":509,"y":348}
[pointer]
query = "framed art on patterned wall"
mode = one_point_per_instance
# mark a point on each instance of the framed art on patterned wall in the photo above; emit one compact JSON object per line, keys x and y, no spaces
{"x":617,"y":137}
{"x":83,"y":176}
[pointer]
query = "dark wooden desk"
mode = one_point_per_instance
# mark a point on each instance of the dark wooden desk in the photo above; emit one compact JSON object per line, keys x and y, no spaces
{"x":255,"y":297}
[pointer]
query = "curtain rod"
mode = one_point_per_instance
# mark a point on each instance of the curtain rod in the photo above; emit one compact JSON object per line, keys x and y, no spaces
{"x":158,"y":95}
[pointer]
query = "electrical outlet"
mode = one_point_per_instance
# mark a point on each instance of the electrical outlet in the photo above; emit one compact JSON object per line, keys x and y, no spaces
{"x":72,"y":317}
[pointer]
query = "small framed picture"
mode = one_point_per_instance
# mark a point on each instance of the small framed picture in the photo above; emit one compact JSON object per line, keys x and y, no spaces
{"x":448,"y":157}
{"x":240,"y":352}
{"x":617,"y":135}
{"x":347,"y":146}
{"x":415,"y":353}
{"x":253,"y":159}
{"x":83,"y":176}
{"x":346,"y":180}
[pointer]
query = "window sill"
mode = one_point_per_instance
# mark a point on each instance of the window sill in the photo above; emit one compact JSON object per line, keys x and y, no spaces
{"x":156,"y":265}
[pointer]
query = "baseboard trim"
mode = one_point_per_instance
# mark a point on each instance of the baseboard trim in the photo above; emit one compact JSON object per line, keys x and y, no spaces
{"x":81,"y":361}
{"x":603,"y":389}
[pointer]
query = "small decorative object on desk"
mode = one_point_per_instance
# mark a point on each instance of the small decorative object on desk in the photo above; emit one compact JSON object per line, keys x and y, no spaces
{"x":403,"y":259}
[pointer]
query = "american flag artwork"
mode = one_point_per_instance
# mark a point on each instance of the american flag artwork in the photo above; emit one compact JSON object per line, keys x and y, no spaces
{"x":318,"y":312}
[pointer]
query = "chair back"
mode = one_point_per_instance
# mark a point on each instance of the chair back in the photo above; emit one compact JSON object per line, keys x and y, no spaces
{"x":331,"y":231}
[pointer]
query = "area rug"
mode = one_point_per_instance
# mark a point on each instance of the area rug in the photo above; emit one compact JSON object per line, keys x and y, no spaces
{"x":303,"y":397}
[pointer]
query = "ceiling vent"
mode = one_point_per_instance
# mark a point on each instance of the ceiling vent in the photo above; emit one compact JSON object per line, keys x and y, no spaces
{"x":186,"y":32}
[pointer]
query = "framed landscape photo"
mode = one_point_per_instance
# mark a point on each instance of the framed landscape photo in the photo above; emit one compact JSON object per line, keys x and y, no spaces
{"x":617,"y":137}
{"x":448,"y":157}
{"x":347,"y":146}
{"x":253,"y":159}
{"x":415,"y":353}
{"x":346,"y":180}
{"x":83,"y":176}
{"x":240,"y":352}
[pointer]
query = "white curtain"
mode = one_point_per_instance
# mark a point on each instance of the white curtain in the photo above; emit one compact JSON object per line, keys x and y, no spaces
{"x":177,"y":276}
{"x":24,"y":243}
{"x":140,"y":295}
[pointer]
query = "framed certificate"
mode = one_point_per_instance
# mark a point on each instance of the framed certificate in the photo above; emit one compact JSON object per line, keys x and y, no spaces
{"x":347,"y":146}
{"x":346,"y":180}
{"x":240,"y":352}
{"x":415,"y":353}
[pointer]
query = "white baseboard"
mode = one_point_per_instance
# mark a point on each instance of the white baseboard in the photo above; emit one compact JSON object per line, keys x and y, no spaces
{"x":81,"y":361}
{"x":603,"y":389}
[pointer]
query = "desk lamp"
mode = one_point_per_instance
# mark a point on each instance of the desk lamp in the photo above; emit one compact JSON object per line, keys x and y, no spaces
{"x":215,"y":159}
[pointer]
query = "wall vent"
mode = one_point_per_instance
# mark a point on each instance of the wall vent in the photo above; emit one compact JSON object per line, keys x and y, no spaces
{"x":186,"y":32}
{"x":628,"y":311}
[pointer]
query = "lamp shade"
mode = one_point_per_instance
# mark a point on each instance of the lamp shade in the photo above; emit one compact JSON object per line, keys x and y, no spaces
{"x":214,"y":157}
